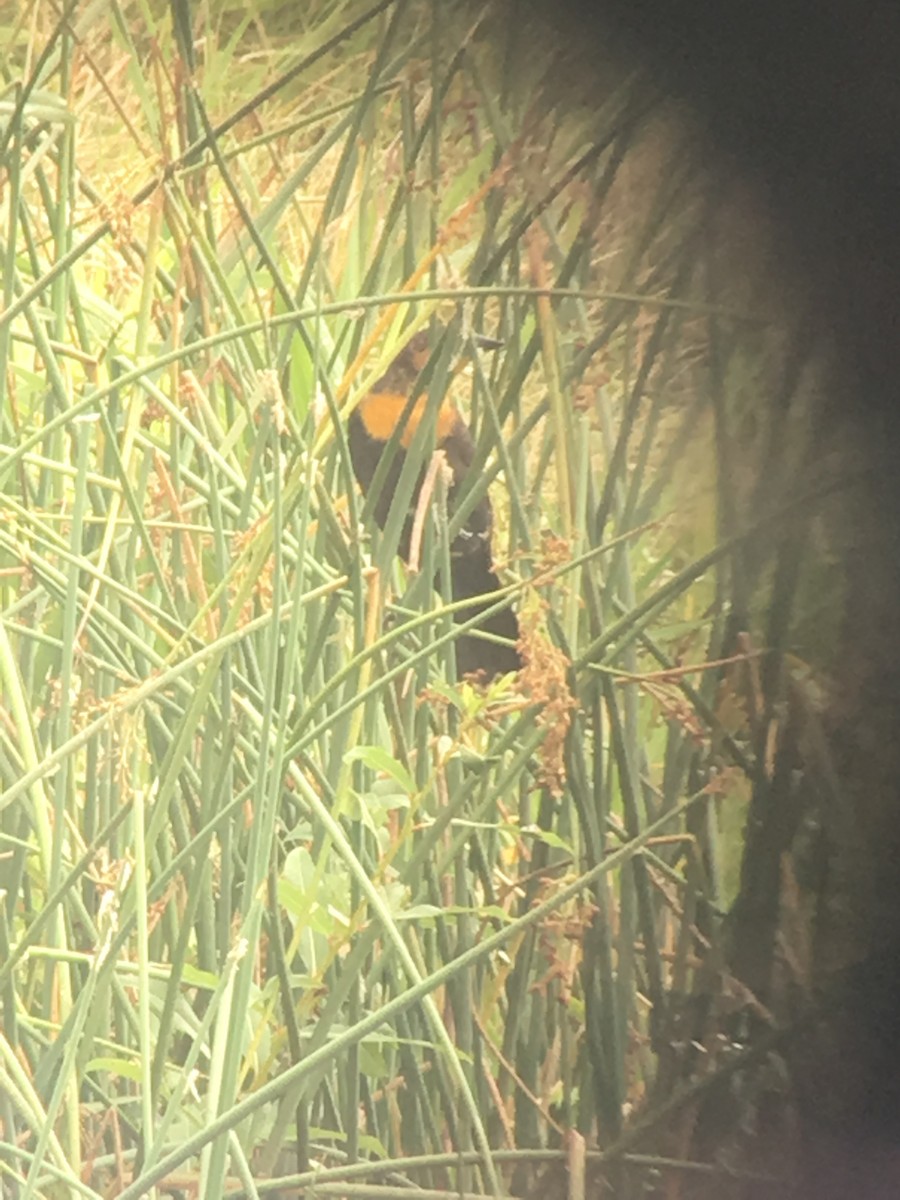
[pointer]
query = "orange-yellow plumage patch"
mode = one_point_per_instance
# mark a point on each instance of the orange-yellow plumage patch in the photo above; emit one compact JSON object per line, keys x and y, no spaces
{"x":380,"y":412}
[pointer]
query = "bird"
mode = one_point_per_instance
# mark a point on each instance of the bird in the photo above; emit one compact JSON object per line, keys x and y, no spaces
{"x":370,"y":427}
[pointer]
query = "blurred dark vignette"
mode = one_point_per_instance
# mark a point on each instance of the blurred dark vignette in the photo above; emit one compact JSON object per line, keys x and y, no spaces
{"x":803,"y":100}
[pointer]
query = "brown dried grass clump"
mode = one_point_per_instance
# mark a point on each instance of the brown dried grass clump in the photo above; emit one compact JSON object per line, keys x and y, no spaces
{"x":543,"y":679}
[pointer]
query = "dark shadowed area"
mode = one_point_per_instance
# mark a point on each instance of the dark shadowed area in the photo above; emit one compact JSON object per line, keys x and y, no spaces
{"x":801,"y":102}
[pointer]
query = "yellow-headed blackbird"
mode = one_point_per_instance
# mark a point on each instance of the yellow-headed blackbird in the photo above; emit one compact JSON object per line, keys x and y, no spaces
{"x":371,"y":425}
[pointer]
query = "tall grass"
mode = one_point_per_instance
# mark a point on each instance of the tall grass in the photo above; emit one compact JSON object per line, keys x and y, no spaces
{"x":284,"y":899}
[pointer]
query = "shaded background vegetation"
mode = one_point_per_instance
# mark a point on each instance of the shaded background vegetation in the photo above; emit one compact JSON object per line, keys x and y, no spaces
{"x":283,"y":895}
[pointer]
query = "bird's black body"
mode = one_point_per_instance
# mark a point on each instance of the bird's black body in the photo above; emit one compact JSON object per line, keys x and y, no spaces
{"x":371,"y":426}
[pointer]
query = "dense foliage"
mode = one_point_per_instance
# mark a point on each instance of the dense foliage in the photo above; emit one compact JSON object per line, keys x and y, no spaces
{"x":281,"y":893}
